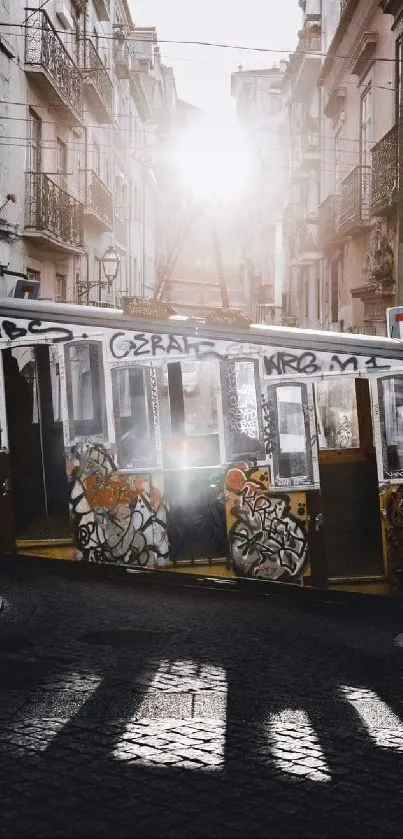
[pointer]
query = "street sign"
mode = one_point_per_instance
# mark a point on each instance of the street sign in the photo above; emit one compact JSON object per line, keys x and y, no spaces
{"x":394,"y":322}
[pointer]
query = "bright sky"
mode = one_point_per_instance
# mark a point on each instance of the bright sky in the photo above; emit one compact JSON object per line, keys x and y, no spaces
{"x":203,"y":73}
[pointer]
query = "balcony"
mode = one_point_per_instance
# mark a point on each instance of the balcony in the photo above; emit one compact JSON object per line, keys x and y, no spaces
{"x":355,"y":201}
{"x":102,"y":9}
{"x":307,"y":61}
{"x":97,"y":84}
{"x":121,"y":56}
{"x":328,"y":221}
{"x":51,"y":68}
{"x":384,"y":174}
{"x":99,"y":202}
{"x":52,"y":216}
{"x":307,"y":246}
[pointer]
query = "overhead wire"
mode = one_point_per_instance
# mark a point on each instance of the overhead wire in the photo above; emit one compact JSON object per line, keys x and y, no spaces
{"x":211,"y":44}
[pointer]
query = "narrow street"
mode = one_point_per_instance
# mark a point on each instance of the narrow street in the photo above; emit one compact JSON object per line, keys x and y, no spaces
{"x":129,"y":710}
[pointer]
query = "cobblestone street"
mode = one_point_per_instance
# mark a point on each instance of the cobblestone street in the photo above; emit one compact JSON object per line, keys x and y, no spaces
{"x":134,"y":711}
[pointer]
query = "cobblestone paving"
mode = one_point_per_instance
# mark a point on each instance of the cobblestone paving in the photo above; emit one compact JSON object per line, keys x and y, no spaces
{"x":133,"y":711}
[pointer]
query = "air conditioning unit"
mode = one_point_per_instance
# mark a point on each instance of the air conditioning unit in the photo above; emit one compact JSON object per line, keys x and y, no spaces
{"x":19,"y":287}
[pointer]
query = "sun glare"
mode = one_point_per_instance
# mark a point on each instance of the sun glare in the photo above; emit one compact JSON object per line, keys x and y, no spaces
{"x":213,"y":161}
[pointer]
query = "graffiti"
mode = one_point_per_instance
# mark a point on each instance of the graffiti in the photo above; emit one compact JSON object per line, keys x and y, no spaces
{"x":141,"y":344}
{"x":116,"y":518}
{"x":269,"y":425}
{"x":56,"y":334}
{"x":344,"y":433}
{"x":394,"y":517}
{"x":243,"y":428}
{"x":267,"y":541}
{"x":282,"y":363}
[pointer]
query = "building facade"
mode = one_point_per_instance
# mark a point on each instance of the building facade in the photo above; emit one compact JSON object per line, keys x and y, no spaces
{"x":259,"y":100}
{"x":81,"y":93}
{"x":341,"y":220}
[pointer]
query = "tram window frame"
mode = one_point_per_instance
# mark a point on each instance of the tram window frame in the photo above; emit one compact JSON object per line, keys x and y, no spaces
{"x":151,"y":460}
{"x":96,"y":425}
{"x":388,"y":472}
{"x":234,"y":453}
{"x":297,"y":480}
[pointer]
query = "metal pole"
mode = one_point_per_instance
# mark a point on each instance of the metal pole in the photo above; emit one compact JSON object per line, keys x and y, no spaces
{"x":399,"y":290}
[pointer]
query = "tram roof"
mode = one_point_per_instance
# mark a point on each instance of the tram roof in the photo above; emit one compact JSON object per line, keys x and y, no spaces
{"x":259,"y":334}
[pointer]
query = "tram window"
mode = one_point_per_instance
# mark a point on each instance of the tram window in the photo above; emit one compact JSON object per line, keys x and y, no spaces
{"x":20,"y":373}
{"x":390,"y":391}
{"x":336,"y":411}
{"x":85,"y":389}
{"x":292,"y":459}
{"x":188,"y":393}
{"x":134,"y":422}
{"x":201,"y":388}
{"x":55,"y":384}
{"x":241,"y":410}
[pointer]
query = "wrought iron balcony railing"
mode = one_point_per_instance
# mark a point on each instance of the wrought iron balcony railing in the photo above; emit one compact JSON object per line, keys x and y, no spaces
{"x":355,"y":200}
{"x":384,"y":173}
{"x":121,"y":57}
{"x":52,"y":214}
{"x":328,"y":220}
{"x":99,"y":200}
{"x":48,"y":62}
{"x":98,"y":85}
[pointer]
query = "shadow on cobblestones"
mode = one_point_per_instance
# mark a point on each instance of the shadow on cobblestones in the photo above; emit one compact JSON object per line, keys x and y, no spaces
{"x":154,"y":715}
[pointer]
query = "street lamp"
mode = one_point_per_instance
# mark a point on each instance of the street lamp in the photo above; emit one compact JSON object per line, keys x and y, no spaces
{"x":110,"y":263}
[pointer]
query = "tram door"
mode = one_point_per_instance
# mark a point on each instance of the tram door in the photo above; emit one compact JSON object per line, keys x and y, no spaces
{"x":348,"y":480}
{"x":35,"y":433}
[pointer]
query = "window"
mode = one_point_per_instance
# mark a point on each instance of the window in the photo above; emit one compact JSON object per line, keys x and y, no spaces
{"x":399,"y":77}
{"x":390,"y":394}
{"x":338,"y":171}
{"x":33,"y":274}
{"x":336,"y":412}
{"x":365,"y":147}
{"x":62,"y":163}
{"x":292,"y":455}
{"x":334,"y":290}
{"x":60,"y":288}
{"x":96,"y":158}
{"x":136,"y":414}
{"x":242,"y":410}
{"x":85,"y":389}
{"x":34,"y":142}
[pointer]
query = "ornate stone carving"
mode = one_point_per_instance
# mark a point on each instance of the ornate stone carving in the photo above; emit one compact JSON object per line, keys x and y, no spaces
{"x":379,"y":259}
{"x":139,"y":308}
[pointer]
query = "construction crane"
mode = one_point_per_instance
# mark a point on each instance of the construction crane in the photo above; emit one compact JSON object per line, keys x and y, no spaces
{"x":165,"y":272}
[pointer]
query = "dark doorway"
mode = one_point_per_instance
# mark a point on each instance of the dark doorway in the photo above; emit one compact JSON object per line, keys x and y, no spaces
{"x":35,"y":432}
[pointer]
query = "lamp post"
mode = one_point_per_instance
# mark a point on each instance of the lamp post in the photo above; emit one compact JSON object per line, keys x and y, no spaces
{"x":110,"y":263}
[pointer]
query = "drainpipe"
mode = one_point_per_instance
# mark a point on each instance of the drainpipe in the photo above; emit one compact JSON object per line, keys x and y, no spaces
{"x":399,"y":289}
{"x":143,"y":278}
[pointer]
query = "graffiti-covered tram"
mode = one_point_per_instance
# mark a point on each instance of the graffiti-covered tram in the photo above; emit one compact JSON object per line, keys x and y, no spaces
{"x":183,"y":445}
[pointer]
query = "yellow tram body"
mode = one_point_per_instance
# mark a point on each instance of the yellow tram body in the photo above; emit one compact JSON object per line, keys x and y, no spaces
{"x":178,"y":444}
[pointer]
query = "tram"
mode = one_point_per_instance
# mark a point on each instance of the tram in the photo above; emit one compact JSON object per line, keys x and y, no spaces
{"x":145,"y":439}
